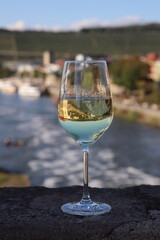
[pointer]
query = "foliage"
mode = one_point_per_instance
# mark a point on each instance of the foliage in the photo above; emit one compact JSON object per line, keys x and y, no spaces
{"x":87,"y":80}
{"x":128,"y":72}
{"x":153,"y":97}
{"x":131,"y":116}
{"x":5,"y":72}
{"x":12,"y":179}
{"x":38,"y":74}
{"x":25,"y":74}
{"x":122,"y":40}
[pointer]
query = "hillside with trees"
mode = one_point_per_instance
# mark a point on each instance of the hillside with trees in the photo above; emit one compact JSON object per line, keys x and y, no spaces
{"x":102,"y":41}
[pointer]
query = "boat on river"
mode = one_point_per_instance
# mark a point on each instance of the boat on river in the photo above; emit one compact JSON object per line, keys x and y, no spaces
{"x":7,"y":87}
{"x":29,"y":91}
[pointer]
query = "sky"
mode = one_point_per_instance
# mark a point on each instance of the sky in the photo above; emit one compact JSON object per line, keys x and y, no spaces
{"x":73,"y":14}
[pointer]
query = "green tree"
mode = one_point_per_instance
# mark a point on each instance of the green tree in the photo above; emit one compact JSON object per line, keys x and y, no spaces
{"x":5,"y":72}
{"x":128,"y":72}
{"x":39,"y":74}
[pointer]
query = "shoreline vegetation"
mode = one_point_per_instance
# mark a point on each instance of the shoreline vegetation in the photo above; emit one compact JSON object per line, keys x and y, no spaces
{"x":139,"y":38}
{"x":138,"y":115}
{"x":136,"y":89}
{"x":8,"y":179}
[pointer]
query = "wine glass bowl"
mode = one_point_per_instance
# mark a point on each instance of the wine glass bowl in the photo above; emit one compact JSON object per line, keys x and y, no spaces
{"x":85,"y":112}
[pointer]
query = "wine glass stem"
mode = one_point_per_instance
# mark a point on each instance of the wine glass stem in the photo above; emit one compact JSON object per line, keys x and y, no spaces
{"x":86,"y":196}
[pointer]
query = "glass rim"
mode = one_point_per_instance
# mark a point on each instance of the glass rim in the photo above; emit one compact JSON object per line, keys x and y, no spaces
{"x":85,"y":61}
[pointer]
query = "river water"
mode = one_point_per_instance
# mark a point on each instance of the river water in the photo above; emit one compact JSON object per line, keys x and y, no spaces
{"x":127,"y":154}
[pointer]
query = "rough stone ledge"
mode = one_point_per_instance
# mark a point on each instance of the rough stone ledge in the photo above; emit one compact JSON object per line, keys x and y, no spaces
{"x":34,"y":213}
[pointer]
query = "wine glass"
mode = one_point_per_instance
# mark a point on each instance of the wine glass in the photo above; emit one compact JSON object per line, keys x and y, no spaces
{"x":85,"y":112}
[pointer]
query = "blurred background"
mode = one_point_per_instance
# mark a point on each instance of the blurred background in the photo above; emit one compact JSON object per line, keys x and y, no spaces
{"x":35,"y":39}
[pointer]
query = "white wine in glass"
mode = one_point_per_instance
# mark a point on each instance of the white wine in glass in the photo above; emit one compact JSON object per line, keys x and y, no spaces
{"x":85,"y":112}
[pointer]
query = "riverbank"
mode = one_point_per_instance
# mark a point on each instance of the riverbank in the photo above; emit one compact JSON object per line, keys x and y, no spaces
{"x":8,"y":179}
{"x":137,"y":114}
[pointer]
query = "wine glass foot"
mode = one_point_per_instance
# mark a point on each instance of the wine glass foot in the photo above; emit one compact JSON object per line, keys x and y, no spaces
{"x":86,"y":209}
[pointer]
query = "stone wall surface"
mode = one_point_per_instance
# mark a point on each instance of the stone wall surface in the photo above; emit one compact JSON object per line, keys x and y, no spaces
{"x":34,"y":213}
